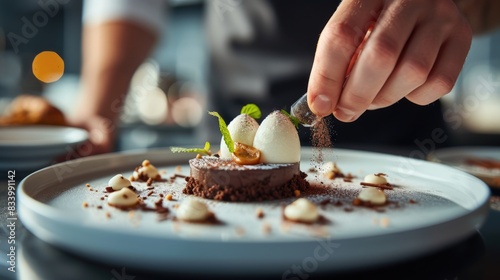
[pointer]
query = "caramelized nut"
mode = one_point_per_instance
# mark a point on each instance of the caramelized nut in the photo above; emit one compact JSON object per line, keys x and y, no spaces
{"x":245,"y":154}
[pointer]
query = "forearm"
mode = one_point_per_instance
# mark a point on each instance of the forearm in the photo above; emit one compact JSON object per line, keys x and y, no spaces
{"x":483,"y":15}
{"x":111,"y":52}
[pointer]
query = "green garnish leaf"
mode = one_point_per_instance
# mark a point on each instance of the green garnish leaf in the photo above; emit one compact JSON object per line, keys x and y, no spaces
{"x":293,"y":119}
{"x":252,"y":110}
{"x":205,"y":150}
{"x":224,"y":131}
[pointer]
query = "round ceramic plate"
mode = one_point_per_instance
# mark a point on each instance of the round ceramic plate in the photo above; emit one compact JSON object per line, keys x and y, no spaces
{"x":431,"y":206}
{"x":473,"y":160}
{"x":34,"y":147}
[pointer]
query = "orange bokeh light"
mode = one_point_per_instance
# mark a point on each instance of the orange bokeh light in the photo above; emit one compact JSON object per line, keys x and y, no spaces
{"x":48,"y":66}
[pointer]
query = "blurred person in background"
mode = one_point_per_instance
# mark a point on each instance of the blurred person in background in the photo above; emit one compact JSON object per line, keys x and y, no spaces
{"x":268,"y":53}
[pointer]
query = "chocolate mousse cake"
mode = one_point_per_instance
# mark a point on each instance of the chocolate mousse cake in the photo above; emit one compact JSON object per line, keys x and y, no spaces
{"x":221,"y":179}
{"x":255,"y":162}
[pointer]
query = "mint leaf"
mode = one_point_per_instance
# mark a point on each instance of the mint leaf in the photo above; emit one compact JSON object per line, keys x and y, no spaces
{"x":293,"y":119}
{"x":205,"y":150}
{"x":252,"y":110}
{"x":224,"y":131}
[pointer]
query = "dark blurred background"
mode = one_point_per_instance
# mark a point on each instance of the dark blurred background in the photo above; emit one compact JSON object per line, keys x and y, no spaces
{"x":173,"y":114}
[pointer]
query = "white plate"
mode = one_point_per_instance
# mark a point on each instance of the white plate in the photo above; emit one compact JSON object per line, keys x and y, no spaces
{"x":34,"y":147}
{"x":458,"y":156}
{"x":450,"y":206}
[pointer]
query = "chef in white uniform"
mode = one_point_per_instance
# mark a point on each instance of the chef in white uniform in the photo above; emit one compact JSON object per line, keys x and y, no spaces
{"x":271,"y":52}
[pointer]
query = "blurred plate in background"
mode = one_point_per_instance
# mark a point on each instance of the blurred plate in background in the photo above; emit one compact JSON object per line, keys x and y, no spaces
{"x":28,"y":148}
{"x":482,"y":162}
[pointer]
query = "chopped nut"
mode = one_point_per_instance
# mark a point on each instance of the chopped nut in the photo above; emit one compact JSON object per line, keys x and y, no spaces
{"x":169,"y":196}
{"x":131,"y":214}
{"x":108,"y":215}
{"x":357,"y":202}
{"x":297,"y":193}
{"x":91,"y":189}
{"x":384,"y":222}
{"x":149,"y":182}
{"x":244,"y":154}
{"x":330,"y":175}
{"x":85,"y":204}
{"x":87,"y":185}
{"x":146,"y":162}
{"x":178,"y":168}
{"x":260,"y":213}
{"x":131,"y":178}
{"x":266,"y":228}
{"x":198,"y":156}
{"x":240,"y":231}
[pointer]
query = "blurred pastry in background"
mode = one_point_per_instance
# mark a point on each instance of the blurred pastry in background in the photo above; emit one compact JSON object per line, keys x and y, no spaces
{"x":30,"y":109}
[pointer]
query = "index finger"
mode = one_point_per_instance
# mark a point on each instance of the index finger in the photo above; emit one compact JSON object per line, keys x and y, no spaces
{"x":337,"y":45}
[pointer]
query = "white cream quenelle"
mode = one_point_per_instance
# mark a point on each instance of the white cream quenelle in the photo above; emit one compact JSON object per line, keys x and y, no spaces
{"x":373,"y":195}
{"x":146,"y":169}
{"x":192,"y":210}
{"x":277,"y":139}
{"x":302,"y":210}
{"x":123,"y":198}
{"x":119,"y":182}
{"x":242,"y":129}
{"x":375,"y":179}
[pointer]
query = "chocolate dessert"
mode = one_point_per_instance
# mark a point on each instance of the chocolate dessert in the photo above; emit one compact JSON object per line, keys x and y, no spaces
{"x":220,"y":179}
{"x":255,"y":162}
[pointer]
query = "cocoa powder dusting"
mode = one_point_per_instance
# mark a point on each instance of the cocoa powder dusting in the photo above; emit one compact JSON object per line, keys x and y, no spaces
{"x":321,"y":139}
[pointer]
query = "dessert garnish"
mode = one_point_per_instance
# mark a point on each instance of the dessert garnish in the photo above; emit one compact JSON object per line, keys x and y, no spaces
{"x":251,"y":110}
{"x":146,"y":172}
{"x":119,"y":182}
{"x":224,"y":131}
{"x":330,"y":170}
{"x":376,"y":180}
{"x":277,"y":139}
{"x":204,"y":151}
{"x":245,"y":154}
{"x":372,"y":196}
{"x":301,"y":210}
{"x":255,"y":163}
{"x":293,"y":119}
{"x":193,"y":210}
{"x":242,"y":130}
{"x":124,"y":198}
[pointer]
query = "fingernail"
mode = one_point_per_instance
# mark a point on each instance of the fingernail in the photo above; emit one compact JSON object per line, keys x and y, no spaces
{"x":374,"y":107}
{"x":322,"y":105}
{"x":345,"y":115}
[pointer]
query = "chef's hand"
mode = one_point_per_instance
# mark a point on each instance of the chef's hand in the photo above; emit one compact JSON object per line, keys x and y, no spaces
{"x":101,"y":132}
{"x":415,"y":50}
